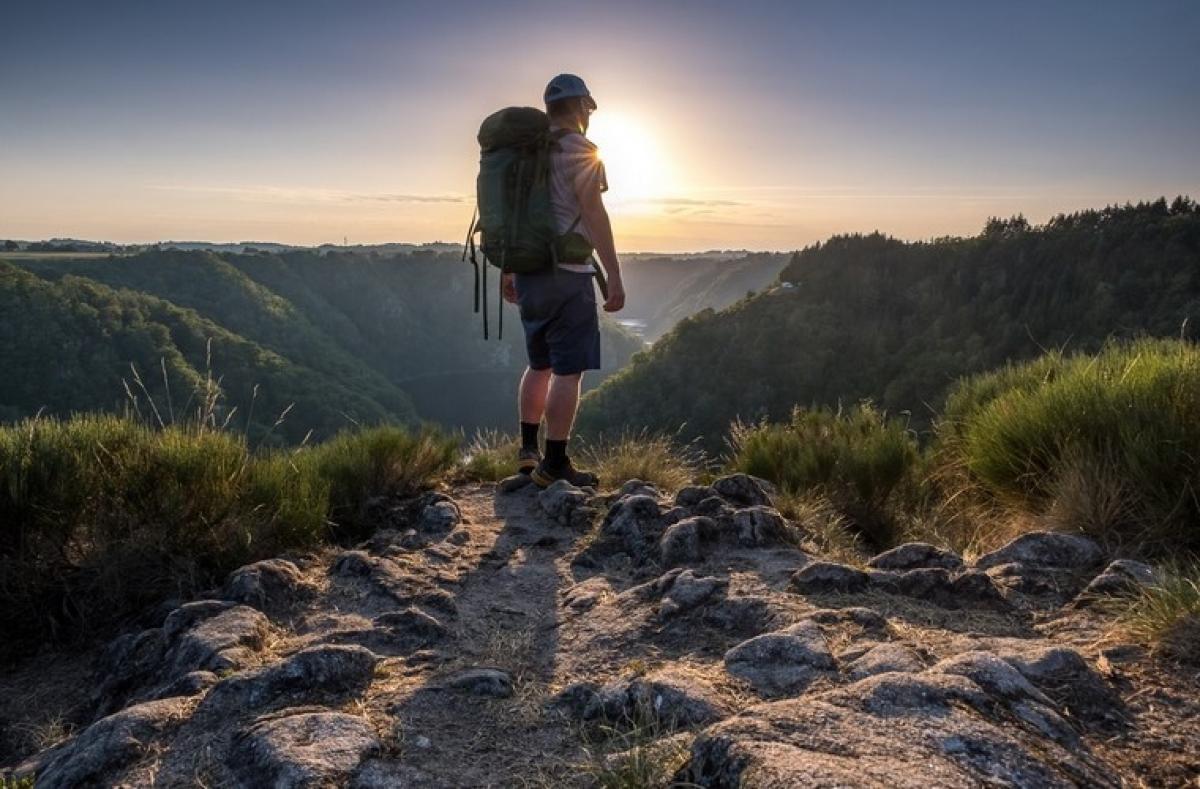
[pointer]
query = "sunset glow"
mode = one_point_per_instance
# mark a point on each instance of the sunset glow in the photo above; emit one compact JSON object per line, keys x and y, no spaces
{"x":637,"y":163}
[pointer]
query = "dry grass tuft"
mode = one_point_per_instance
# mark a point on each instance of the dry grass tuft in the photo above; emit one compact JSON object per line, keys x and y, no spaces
{"x":1166,"y":616}
{"x":653,"y":458}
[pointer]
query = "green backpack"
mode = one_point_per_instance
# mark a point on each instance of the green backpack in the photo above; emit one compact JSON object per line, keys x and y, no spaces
{"x":514,"y":218}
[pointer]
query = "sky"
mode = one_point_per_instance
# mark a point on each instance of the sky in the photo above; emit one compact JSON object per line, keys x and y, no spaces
{"x":733,"y":125}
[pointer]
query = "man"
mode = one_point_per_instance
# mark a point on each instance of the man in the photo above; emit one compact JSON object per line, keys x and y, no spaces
{"x":558,"y":308}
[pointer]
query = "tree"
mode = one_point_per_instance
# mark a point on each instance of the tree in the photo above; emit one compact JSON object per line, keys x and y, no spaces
{"x":11,"y":246}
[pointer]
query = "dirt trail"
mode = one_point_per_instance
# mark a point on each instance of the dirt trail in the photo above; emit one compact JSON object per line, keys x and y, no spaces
{"x":488,"y":639}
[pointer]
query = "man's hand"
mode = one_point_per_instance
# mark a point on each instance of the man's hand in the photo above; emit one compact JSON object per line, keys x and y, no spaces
{"x":616,"y":296}
{"x":509,"y":287}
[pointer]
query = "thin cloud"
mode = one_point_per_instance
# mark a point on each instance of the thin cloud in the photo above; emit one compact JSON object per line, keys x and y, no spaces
{"x":277,"y":194}
{"x":691,"y":201}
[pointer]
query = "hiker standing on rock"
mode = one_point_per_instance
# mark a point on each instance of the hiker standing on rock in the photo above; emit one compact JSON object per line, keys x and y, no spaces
{"x":558,"y":302}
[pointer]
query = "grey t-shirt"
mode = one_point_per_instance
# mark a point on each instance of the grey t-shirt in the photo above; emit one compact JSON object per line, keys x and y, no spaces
{"x":574,"y":166}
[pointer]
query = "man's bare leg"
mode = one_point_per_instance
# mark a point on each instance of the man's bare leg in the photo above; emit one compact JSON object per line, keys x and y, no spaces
{"x":561,"y":403}
{"x":531,"y":398}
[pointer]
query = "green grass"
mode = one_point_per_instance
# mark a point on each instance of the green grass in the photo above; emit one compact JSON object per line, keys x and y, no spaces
{"x":858,"y":459}
{"x":490,"y":456}
{"x":103,"y":517}
{"x":1166,"y":616}
{"x":650,"y":457}
{"x":1107,"y":444}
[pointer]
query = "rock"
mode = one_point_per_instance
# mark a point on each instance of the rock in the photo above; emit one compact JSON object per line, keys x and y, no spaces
{"x":781,"y":663}
{"x":383,"y":575}
{"x":382,"y":774}
{"x":439,"y":516}
{"x":633,"y":526}
{"x":514,"y":483}
{"x":326,"y":671}
{"x":584,"y":595}
{"x":692,"y":495}
{"x":936,"y":585}
{"x":561,"y":499}
{"x":191,"y":684}
{"x":716,"y":508}
{"x":1046,"y":549}
{"x":307,"y":749}
{"x":996,"y":676}
{"x":686,"y":590}
{"x":458,"y":537}
{"x":680,"y":543}
{"x":742,"y":615}
{"x":636,"y":487}
{"x":744,"y":490}
{"x":126,"y":665}
{"x":665,"y":699}
{"x":884,"y":658}
{"x":412,"y":623}
{"x":911,"y":731}
{"x":94,"y":757}
{"x":187,"y":615}
{"x":490,"y":682}
{"x":1121,"y":578}
{"x":759,"y":525}
{"x":271,"y":585}
{"x":826,"y":577}
{"x":913,"y":555}
{"x":869,"y":620}
{"x":221,"y":643}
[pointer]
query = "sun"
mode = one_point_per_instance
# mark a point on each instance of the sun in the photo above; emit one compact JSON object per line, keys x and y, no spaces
{"x":637,"y":167}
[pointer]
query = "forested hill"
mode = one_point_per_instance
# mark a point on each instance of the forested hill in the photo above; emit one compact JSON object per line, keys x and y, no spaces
{"x":873,"y":317}
{"x":348,"y":338}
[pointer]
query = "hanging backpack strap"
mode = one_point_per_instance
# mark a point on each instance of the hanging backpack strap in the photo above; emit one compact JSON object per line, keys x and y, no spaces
{"x":470,"y":246}
{"x":500,"y":308}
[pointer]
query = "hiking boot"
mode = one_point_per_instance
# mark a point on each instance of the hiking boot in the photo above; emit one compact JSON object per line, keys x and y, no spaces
{"x":528,"y":459}
{"x":544,"y":476}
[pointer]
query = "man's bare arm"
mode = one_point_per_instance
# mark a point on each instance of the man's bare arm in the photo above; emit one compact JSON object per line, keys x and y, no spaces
{"x":595,"y":218}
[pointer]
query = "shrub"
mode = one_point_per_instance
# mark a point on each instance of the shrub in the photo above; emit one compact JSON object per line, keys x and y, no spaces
{"x":864,"y":463}
{"x":103,"y":517}
{"x":1106,"y":444}
{"x":363,"y":464}
{"x":1166,"y":616}
{"x":490,"y":457}
{"x":652,"y":458}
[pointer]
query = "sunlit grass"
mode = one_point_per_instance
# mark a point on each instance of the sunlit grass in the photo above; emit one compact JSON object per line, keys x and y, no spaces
{"x":650,"y":457}
{"x":1166,"y":615}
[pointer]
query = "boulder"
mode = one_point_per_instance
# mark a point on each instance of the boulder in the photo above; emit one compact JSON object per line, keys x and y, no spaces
{"x":1046,"y":549}
{"x":884,"y":658}
{"x":1121,"y":578}
{"x":692,"y":495}
{"x":412,"y":624}
{"x":784,"y":662}
{"x":327,"y":672}
{"x":681,"y":542}
{"x":685,"y":590}
{"x":219,"y":643}
{"x":272,"y":585}
{"x":913,"y":555}
{"x":663,"y":699}
{"x":490,"y":682}
{"x":560,"y":500}
{"x":439,"y":516}
{"x":96,"y":755}
{"x":514,"y":483}
{"x":827,"y":577}
{"x":759,"y":525}
{"x":742,"y":615}
{"x":633,"y":526}
{"x":305,"y":749}
{"x":636,"y":487}
{"x":744,"y":490}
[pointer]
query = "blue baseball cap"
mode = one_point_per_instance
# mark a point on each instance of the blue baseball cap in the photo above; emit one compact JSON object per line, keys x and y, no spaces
{"x":569,"y":86}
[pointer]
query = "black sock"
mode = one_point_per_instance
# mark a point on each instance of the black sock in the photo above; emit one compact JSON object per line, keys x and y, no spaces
{"x":556,"y":453}
{"x":529,"y":431}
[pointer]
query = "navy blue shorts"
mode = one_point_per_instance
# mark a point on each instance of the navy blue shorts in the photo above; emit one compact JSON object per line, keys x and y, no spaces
{"x":562,"y":330}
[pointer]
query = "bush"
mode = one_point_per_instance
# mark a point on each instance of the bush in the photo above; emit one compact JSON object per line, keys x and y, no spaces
{"x":103,"y":517}
{"x":491,"y":456}
{"x":864,"y":463}
{"x":1106,"y":444}
{"x":1166,"y":616}
{"x":652,"y":458}
{"x":361,"y":465}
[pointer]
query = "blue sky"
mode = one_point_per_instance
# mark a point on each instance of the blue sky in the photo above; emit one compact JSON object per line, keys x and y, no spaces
{"x":749,"y":124}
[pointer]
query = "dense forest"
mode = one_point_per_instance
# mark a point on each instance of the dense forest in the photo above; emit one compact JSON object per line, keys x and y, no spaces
{"x":868,"y":316}
{"x":347,"y":337}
